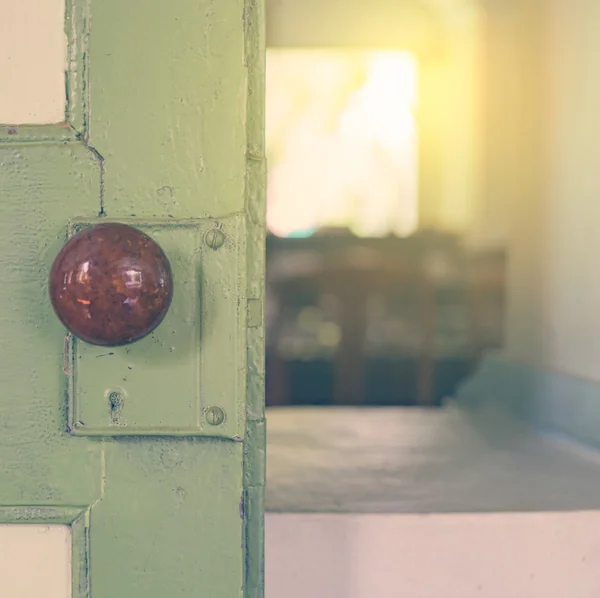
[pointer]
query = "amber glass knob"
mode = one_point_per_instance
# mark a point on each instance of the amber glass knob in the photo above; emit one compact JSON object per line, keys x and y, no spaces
{"x":111,"y":284}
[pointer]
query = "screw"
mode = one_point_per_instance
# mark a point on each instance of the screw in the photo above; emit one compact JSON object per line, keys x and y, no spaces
{"x":215,"y":416}
{"x":214,"y":238}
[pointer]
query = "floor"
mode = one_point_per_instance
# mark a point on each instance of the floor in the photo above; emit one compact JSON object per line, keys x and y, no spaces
{"x":411,"y":460}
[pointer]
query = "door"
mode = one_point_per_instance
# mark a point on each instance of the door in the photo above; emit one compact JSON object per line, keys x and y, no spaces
{"x":151,"y":452}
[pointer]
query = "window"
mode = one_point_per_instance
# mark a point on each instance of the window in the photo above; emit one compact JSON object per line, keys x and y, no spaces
{"x":341,"y":142}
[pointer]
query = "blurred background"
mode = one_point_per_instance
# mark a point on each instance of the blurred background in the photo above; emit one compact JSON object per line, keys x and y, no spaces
{"x":393,"y":157}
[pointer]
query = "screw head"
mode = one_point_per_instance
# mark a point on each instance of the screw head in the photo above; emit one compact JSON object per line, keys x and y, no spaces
{"x":215,"y":416}
{"x":214,"y":238}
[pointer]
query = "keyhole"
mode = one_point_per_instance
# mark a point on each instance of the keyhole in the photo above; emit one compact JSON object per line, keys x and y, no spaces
{"x":115,"y":400}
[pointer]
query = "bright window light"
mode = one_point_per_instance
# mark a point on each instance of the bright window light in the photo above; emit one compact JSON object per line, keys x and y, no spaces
{"x":341,"y":142}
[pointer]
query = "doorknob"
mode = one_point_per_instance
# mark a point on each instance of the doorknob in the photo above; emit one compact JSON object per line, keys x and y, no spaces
{"x":111,"y":284}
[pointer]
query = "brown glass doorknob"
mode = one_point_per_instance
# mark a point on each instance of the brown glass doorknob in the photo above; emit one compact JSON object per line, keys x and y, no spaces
{"x":111,"y":284}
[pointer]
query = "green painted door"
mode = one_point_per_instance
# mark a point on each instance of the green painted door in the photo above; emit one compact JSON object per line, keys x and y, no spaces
{"x":163,"y":130}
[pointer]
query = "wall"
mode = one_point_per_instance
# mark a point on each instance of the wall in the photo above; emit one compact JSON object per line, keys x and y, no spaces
{"x":449,"y":117}
{"x":516,"y":555}
{"x":498,"y":67}
{"x":572,"y":208}
{"x":514,"y":161}
{"x":554,"y":283}
{"x":350,"y":23}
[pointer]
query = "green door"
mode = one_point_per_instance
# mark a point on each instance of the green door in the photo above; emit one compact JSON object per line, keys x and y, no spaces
{"x":164,"y":131}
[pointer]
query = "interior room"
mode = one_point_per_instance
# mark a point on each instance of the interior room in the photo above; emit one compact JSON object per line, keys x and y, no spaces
{"x":428,"y":364}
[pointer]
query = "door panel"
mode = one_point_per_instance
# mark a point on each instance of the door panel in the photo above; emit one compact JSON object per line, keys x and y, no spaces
{"x":40,"y":188}
{"x":164,"y":124}
{"x":169,"y":86}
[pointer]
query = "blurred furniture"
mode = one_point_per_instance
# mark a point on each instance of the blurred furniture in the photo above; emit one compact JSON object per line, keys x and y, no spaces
{"x":374,"y":321}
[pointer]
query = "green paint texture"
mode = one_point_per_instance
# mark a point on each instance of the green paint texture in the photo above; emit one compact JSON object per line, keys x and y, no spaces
{"x":165,"y":121}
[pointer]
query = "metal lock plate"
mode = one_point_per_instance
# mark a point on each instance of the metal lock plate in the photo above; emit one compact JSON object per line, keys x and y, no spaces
{"x":188,"y":376}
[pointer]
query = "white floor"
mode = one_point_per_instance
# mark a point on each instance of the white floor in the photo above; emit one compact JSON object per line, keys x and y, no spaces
{"x":510,"y":555}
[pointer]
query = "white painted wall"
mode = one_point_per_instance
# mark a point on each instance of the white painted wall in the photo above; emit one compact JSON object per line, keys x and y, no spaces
{"x":35,"y":561}
{"x":554,"y":284}
{"x":511,"y":555}
{"x":33,"y":51}
{"x":571,"y":260}
{"x":350,"y":23}
{"x":449,"y":119}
